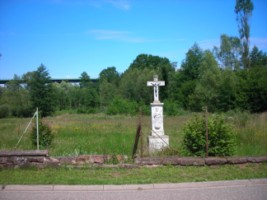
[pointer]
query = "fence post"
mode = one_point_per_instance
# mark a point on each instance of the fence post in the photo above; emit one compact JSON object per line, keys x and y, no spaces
{"x":207,"y":131}
{"x":37,"y":128}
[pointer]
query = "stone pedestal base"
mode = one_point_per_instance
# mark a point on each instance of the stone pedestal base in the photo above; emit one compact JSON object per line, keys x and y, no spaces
{"x":157,"y":143}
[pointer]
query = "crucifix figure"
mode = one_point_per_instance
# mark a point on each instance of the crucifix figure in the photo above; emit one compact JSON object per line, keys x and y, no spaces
{"x":157,"y":140}
{"x":156,"y":83}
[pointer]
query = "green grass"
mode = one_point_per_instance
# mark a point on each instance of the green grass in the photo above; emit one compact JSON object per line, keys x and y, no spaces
{"x":88,"y":134}
{"x":251,"y":133}
{"x":76,"y":134}
{"x":143,"y":175}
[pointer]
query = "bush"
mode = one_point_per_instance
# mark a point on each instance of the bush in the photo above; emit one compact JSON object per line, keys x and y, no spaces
{"x":221,"y":137}
{"x":86,"y":110}
{"x":171,"y":108}
{"x":22,"y":111}
{"x":122,"y":106}
{"x":4,"y":111}
{"x":45,"y":135}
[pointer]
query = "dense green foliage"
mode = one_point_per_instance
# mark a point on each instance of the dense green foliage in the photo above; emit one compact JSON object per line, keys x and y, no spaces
{"x":201,"y":81}
{"x":4,"y":111}
{"x":40,"y":90}
{"x":45,"y":135}
{"x":220,"y":137}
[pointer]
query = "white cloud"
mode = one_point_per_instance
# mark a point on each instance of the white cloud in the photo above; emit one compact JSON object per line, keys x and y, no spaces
{"x":261,"y":43}
{"x":208,"y":44}
{"x":125,"y":36}
{"x":120,"y":4}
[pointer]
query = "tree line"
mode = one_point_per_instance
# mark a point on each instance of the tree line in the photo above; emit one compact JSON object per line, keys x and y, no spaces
{"x":227,"y":77}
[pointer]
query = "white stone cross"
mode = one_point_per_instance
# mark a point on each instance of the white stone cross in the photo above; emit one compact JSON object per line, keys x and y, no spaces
{"x":156,"y":83}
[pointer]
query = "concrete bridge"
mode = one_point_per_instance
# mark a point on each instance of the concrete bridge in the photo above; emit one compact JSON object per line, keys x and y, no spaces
{"x":70,"y":80}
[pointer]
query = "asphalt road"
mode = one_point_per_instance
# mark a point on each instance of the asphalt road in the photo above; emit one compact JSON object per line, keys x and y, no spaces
{"x":241,"y":189}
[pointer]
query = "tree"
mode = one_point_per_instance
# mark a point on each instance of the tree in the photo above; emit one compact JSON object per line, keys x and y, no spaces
{"x":159,"y":65}
{"x":186,"y":78}
{"x":227,"y":91}
{"x":108,"y":87}
{"x":206,"y":90}
{"x":190,"y":66}
{"x":41,"y":90}
{"x":111,"y":75}
{"x":243,"y":10}
{"x":133,"y":81}
{"x":133,"y":85}
{"x":257,"y":90}
{"x":229,"y":52}
{"x":257,"y":58}
{"x":144,"y":61}
{"x":63,"y":95}
{"x":85,"y":80}
{"x":87,"y":94}
{"x":16,"y":98}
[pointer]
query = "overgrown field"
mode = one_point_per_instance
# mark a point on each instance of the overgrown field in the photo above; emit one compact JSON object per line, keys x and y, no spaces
{"x":101,"y":134}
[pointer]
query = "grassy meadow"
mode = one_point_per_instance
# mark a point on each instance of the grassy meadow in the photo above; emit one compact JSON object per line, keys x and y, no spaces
{"x":76,"y":134}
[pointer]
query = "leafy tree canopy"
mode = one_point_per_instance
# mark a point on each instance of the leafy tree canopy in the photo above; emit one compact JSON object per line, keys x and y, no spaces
{"x":85,"y":80}
{"x":110,"y":75}
{"x":257,"y":58}
{"x":228,"y":54}
{"x":143,"y":61}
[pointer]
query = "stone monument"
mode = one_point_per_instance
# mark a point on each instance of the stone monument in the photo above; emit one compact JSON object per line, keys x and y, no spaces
{"x":157,"y":140}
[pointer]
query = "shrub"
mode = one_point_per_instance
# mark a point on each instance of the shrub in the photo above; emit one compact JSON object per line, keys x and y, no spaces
{"x":45,"y":135}
{"x":122,"y":106}
{"x":86,"y":110}
{"x":221,"y":137}
{"x":22,"y":111}
{"x":171,"y":108}
{"x":4,"y":111}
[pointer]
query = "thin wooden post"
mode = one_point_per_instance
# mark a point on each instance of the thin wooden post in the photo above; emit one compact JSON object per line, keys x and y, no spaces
{"x":207,"y":131}
{"x":137,"y":138}
{"x":37,"y":129}
{"x":141,"y":135}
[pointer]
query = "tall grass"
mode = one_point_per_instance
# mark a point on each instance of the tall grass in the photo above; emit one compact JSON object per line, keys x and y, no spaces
{"x":251,"y":133}
{"x":10,"y":131}
{"x":76,"y":134}
{"x":92,"y":134}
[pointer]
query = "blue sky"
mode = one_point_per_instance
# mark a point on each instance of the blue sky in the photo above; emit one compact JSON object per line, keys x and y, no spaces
{"x":70,"y":37}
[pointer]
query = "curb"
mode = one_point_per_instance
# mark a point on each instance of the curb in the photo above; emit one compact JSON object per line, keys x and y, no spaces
{"x":137,"y":187}
{"x":198,"y":161}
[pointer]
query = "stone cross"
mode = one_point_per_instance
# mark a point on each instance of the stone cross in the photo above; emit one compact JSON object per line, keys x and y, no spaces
{"x":157,"y":140}
{"x":156,"y":83}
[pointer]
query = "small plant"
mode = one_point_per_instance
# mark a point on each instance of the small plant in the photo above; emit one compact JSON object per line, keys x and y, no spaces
{"x":221,"y":138}
{"x":45,"y":135}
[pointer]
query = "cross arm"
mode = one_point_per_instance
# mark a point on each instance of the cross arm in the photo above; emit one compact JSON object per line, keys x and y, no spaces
{"x":155,"y":83}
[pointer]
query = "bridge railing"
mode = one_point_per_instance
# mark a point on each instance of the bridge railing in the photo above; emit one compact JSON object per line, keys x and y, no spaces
{"x":71,"y":80}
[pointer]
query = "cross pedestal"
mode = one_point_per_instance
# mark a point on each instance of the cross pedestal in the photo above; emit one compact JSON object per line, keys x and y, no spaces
{"x":157,"y":140}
